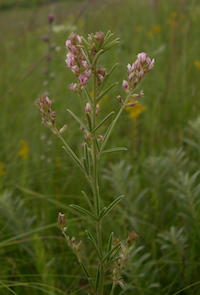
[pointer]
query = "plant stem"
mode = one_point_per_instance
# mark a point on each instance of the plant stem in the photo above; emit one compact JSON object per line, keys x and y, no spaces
{"x":96,"y":189}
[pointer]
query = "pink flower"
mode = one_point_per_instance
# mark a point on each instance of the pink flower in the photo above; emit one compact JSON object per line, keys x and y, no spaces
{"x":73,"y":87}
{"x":85,"y":64}
{"x":88,"y":108}
{"x":142,"y":57}
{"x":125,"y":85}
{"x":88,"y":73}
{"x":83,"y":79}
{"x":131,"y":68}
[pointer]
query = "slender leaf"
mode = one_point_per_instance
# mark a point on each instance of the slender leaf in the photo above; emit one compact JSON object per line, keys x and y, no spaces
{"x":107,"y":135}
{"x":88,"y":201}
{"x":89,"y":121}
{"x":85,"y":164}
{"x":113,"y":204}
{"x":108,"y":255}
{"x":87,"y":275}
{"x":101,"y":213}
{"x":84,"y":211}
{"x":99,"y":125}
{"x":93,"y":242}
{"x":97,"y":279}
{"x":110,"y":242}
{"x":87,"y":158}
{"x":86,"y":46}
{"x":79,"y":120}
{"x":75,"y":158}
{"x":88,"y":95}
{"x":106,"y":91}
{"x":117,"y":149}
{"x":97,"y":55}
{"x":107,"y":77}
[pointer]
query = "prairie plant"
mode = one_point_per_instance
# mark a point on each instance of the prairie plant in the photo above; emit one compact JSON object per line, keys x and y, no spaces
{"x":83,"y":60}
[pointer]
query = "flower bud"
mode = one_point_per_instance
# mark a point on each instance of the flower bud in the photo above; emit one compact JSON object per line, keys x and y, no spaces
{"x":61,"y":221}
{"x":51,"y":18}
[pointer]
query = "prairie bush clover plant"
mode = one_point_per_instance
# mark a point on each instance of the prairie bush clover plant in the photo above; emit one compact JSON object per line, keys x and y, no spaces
{"x":82,"y":59}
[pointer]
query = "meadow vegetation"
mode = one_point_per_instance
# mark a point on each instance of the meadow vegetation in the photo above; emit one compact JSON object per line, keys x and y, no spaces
{"x":159,"y":175}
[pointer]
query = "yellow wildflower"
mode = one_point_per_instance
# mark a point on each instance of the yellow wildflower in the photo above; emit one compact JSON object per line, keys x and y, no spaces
{"x":2,"y":172}
{"x":173,"y":14}
{"x":24,"y":152}
{"x":157,"y":28}
{"x":139,"y":28}
{"x":150,"y":34}
{"x":197,"y":64}
{"x":136,"y":110}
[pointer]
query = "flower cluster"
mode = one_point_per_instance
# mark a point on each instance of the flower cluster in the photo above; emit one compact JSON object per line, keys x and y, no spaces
{"x":76,"y":61}
{"x":44,"y":104}
{"x":96,"y":40}
{"x":123,"y":256}
{"x":137,"y":71}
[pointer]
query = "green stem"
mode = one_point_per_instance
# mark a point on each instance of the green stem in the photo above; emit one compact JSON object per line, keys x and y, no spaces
{"x":113,"y":288}
{"x":96,"y":189}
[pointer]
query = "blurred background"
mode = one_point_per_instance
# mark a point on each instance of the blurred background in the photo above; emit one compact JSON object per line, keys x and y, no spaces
{"x":159,"y":174}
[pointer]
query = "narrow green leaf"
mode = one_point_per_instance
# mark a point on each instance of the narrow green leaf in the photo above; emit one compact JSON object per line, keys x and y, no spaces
{"x":107,"y":76}
{"x":89,"y":97}
{"x":110,"y":242}
{"x":75,"y":158}
{"x":99,"y":125}
{"x":93,"y":242}
{"x":108,"y":255}
{"x":117,"y":149}
{"x":85,"y":164}
{"x":106,"y":91}
{"x":107,"y":135}
{"x":97,"y":144}
{"x":88,"y":201}
{"x":87,"y":157}
{"x":107,"y":38}
{"x":111,"y":44}
{"x":87,"y":274}
{"x":110,"y":207}
{"x":86,"y":50}
{"x":96,"y":43}
{"x":84,"y":211}
{"x":89,"y":121}
{"x":108,"y":34}
{"x":78,"y":120}
{"x":97,"y":55}
{"x":101,"y":213}
{"x":97,"y":278}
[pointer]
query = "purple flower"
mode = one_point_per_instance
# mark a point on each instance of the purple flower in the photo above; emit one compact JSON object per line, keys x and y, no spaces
{"x":51,"y":18}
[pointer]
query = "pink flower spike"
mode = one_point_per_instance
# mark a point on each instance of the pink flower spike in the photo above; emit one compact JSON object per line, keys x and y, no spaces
{"x":142,"y":57}
{"x":83,"y":79}
{"x":125,"y":85}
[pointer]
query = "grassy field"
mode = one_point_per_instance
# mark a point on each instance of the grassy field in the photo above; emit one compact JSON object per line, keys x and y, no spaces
{"x":159,"y":174}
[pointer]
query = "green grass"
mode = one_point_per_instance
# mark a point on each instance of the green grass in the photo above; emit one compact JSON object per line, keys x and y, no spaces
{"x":158,"y":175}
